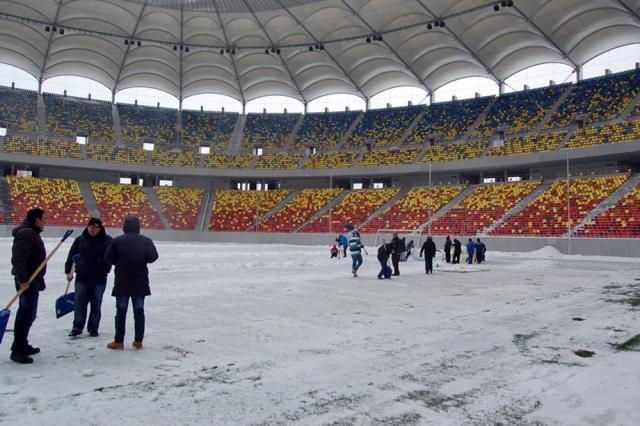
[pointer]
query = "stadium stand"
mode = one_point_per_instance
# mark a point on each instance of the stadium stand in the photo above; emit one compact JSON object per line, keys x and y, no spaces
{"x":354,"y":208}
{"x":384,"y":127}
{"x":547,"y":215}
{"x":48,"y":148}
{"x":216,"y":160}
{"x":299,"y":210}
{"x":18,"y":109}
{"x":60,"y":199}
{"x":130,"y":155}
{"x":141,"y":123}
{"x":175,"y":159}
{"x":69,"y":116}
{"x":414,"y":209}
{"x":449,"y":120}
{"x":330,"y":160}
{"x":603,"y":134}
{"x":324,"y":130}
{"x":180,"y":206}
{"x":100,"y":152}
{"x":268,"y":130}
{"x":484,"y":206}
{"x":528,"y":144}
{"x":389,"y":157}
{"x":235,"y":210}
{"x":620,"y":221}
{"x":603,"y":98}
{"x":200,"y":128}
{"x":116,"y":201}
{"x":454,"y":151}
{"x":279,"y":161}
{"x":239,"y":161}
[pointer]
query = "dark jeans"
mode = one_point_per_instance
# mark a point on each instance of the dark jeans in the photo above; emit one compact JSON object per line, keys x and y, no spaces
{"x":89,"y":291}
{"x":344,"y":251}
{"x":26,"y":315}
{"x":470,"y":258}
{"x":447,"y":254}
{"x":356,"y":260}
{"x":395,"y":258}
{"x":383,"y":264}
{"x":456,"y":257}
{"x":428,"y":264}
{"x":122,"y":303}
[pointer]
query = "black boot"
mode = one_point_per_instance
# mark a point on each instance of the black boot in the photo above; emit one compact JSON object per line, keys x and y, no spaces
{"x":75,"y":332}
{"x":30,"y":350}
{"x":21,"y":358}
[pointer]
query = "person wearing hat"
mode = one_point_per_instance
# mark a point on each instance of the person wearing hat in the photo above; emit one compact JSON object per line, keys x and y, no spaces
{"x":91,"y":276}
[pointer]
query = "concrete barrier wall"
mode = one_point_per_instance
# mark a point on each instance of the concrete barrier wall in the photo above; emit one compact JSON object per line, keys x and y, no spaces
{"x":584,"y":246}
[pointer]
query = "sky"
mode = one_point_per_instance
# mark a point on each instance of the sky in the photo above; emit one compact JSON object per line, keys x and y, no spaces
{"x":619,"y":59}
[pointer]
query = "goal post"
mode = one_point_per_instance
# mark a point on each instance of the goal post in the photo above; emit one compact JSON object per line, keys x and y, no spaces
{"x":385,"y":236}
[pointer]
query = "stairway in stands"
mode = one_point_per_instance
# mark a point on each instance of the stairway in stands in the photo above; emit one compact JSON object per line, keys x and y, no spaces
{"x":457,"y":199}
{"x":274,"y":210}
{"x":235,"y":140}
{"x":386,"y":206}
{"x":323,"y":210}
{"x":89,"y":198}
{"x":157,"y":206}
{"x":5,"y":201}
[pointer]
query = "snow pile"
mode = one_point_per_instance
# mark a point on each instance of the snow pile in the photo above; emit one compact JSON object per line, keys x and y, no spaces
{"x":546,"y":252}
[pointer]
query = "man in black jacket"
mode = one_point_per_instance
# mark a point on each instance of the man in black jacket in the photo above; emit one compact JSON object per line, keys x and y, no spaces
{"x":27,"y":253}
{"x":457,"y":251}
{"x":396,"y":250}
{"x":447,"y":249}
{"x":383,"y":258}
{"x":91,"y":276}
{"x":429,"y":250}
{"x":130,"y":253}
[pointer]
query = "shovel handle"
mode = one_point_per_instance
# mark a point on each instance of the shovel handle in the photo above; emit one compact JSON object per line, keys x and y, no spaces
{"x":73,"y":269}
{"x":37,"y":271}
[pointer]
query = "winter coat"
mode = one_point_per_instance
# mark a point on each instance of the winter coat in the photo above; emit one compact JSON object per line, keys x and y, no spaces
{"x":91,"y":250}
{"x":447,"y":245}
{"x":355,"y":245}
{"x":429,"y":249}
{"x":27,"y":254}
{"x":457,"y":247}
{"x":397,"y":246}
{"x":470,"y":247}
{"x":130,"y":253}
{"x":342,"y":241}
{"x":383,"y":254}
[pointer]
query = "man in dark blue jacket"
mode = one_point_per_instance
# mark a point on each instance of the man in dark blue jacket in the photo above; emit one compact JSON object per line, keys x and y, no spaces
{"x":91,"y":276}
{"x":130,"y":253}
{"x":27,"y":253}
{"x":470,"y":250}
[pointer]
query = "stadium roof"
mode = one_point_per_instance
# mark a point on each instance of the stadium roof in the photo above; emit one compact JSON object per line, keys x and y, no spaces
{"x":323,"y":43}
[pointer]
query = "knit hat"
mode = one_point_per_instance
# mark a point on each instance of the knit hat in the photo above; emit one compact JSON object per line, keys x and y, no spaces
{"x":94,"y":221}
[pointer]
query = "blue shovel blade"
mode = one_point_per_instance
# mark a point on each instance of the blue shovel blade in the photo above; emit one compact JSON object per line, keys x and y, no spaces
{"x":4,"y":319}
{"x":65,"y":304}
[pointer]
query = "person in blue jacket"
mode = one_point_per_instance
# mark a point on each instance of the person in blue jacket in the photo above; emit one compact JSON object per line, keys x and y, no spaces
{"x":355,"y":247}
{"x":344,"y":243}
{"x":480,"y":250}
{"x":470,"y":250}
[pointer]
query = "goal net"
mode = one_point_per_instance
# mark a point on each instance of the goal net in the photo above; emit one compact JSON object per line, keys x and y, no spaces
{"x":386,"y":235}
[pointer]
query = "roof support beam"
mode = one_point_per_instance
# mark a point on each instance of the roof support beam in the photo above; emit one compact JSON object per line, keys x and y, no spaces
{"x":284,"y":63}
{"x":463,"y":44}
{"x":127,"y":50}
{"x":49,"y":43}
{"x":180,"y":97}
{"x":391,"y":49}
{"x":633,"y":13}
{"x":301,"y":24}
{"x":233,"y":61}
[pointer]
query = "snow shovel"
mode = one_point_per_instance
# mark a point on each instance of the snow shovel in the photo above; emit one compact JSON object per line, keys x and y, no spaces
{"x":66,"y":303}
{"x":5,"y":313}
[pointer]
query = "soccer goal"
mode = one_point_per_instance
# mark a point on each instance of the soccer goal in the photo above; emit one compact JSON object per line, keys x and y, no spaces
{"x":386,"y":235}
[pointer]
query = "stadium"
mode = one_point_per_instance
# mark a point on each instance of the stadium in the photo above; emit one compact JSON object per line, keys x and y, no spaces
{"x":510,"y":128}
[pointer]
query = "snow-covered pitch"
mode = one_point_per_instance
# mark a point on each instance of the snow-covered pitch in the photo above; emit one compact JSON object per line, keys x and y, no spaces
{"x":275,"y":334}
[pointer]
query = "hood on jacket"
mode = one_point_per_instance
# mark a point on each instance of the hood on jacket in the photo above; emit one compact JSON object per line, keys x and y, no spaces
{"x":131,"y":225}
{"x":100,"y":235}
{"x":24,"y":225}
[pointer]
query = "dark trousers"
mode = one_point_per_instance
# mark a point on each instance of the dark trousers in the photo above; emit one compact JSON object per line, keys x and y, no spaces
{"x":356,"y":261}
{"x":89,"y":291}
{"x":456,"y":257}
{"x":447,"y":254}
{"x":344,"y":253}
{"x":26,"y":315}
{"x":383,"y":264}
{"x":334,"y":254}
{"x":395,"y":258}
{"x":428,"y":264}
{"x":470,"y":258}
{"x":122,"y":303}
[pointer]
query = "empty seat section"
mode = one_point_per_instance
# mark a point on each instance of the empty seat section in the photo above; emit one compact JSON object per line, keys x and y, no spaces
{"x":180,"y":206}
{"x":207,"y":128}
{"x":100,"y":152}
{"x":389,"y":157}
{"x":547,"y":215}
{"x":620,"y":221}
{"x":324,"y":130}
{"x":72,"y":116}
{"x":216,"y":161}
{"x":268,"y":130}
{"x":603,"y":98}
{"x":299,"y":210}
{"x":60,"y":199}
{"x":454,"y":151}
{"x":175,"y":159}
{"x":142,"y":123}
{"x":18,"y":109}
{"x":528,"y":144}
{"x":50,"y":148}
{"x":278,"y":161}
{"x":414,"y":209}
{"x":604,"y":134}
{"x":330,"y":160}
{"x":448,"y":120}
{"x":235,"y":210}
{"x":116,"y":201}
{"x":354,"y":208}
{"x":129,"y":155}
{"x":480,"y":209}
{"x":518,"y":111}
{"x":383,"y":127}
